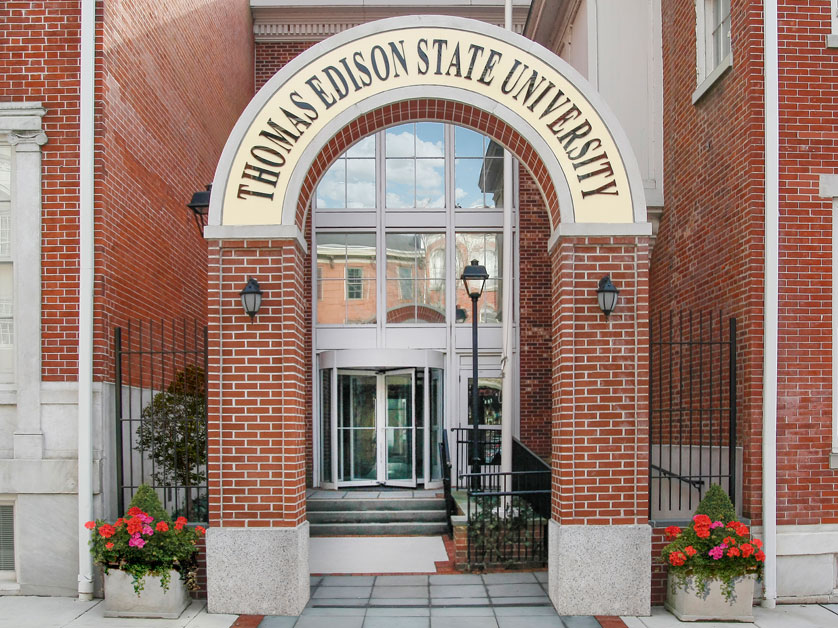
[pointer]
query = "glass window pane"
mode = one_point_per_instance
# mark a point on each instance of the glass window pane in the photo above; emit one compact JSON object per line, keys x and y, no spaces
{"x":401,"y":252}
{"x":467,"y":143}
{"x":430,"y":183}
{"x":331,"y":309}
{"x":326,"y":424}
{"x":490,"y":400}
{"x":430,"y":302}
{"x":400,"y":141}
{"x":361,"y":311}
{"x":364,"y":148}
{"x":401,"y":183}
{"x":5,"y":230}
{"x":401,"y":306}
{"x":331,"y":191}
{"x":430,"y":139}
{"x":360,"y":183}
{"x":5,"y":172}
{"x":492,"y":183}
{"x":467,"y":190}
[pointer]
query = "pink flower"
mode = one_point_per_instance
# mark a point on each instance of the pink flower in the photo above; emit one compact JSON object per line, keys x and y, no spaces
{"x":716,"y":524}
{"x":137,"y":541}
{"x":146,"y":518}
{"x":717,"y":552}
{"x":147,"y":530}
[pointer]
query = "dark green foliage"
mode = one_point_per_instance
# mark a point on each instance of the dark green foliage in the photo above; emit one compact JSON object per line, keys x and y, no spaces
{"x":173,"y":431}
{"x":146,"y":499}
{"x":717,"y":505}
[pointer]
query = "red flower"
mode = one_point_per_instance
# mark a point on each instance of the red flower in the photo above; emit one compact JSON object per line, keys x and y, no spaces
{"x":747,"y":549}
{"x":677,"y":558}
{"x":107,"y":531}
{"x":673,"y":531}
{"x":689,"y":550}
{"x":135,"y":525}
{"x":134,"y":511}
{"x":90,"y":525}
{"x":162,"y":526}
{"x":732,"y":524}
{"x":702,"y":520}
{"x":729,"y":540}
{"x":119,"y":522}
{"x":733,"y":552}
{"x":758,"y":543}
{"x":200,"y":530}
{"x":109,"y":545}
{"x":742,"y":530}
{"x":179,"y":523}
{"x":760,"y":556}
{"x":702,"y":532}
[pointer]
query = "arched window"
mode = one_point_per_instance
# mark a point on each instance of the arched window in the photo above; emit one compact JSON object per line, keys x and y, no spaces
{"x":397,"y":218}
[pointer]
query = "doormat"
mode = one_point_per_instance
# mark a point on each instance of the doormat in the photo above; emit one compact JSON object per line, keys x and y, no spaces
{"x":375,"y":554}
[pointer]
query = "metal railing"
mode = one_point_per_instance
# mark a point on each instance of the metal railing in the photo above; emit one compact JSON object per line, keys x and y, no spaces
{"x":692,"y":401}
{"x":488,"y":450}
{"x":507,"y":525}
{"x":445,"y":459}
{"x":161,"y":414}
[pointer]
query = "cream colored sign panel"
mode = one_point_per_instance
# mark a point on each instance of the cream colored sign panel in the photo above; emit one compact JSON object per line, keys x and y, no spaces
{"x":261,"y":170}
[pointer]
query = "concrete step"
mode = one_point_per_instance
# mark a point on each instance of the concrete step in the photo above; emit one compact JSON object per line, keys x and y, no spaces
{"x":350,"y":503}
{"x":375,"y":516}
{"x":416,"y":528}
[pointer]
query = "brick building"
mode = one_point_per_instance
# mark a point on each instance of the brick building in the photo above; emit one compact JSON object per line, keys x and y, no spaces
{"x":356,"y":152}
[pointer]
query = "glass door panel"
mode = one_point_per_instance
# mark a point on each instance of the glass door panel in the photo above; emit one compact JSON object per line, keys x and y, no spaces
{"x":399,"y":428}
{"x":357,"y":440}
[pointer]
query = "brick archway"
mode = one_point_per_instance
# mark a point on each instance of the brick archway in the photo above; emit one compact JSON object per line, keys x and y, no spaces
{"x":435,"y":110}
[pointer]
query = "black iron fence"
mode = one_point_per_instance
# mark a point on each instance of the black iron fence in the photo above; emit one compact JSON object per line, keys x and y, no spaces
{"x":507,"y":519}
{"x":161,"y":414}
{"x":692,"y":402}
{"x":488,"y":451}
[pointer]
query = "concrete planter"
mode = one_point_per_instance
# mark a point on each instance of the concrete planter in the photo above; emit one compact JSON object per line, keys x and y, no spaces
{"x":153,"y":601}
{"x":687,"y":604}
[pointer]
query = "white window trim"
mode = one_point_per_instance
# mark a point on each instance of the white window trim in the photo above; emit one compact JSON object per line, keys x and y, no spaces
{"x":832,"y":37}
{"x":705,"y":79}
{"x":829,"y":189}
{"x":20,"y":127}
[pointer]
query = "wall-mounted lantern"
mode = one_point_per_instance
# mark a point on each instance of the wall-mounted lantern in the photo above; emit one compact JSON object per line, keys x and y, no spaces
{"x":251,"y":298}
{"x":606,"y":295}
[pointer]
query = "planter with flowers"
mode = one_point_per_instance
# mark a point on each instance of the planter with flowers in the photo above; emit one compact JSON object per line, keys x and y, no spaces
{"x":713,"y":564}
{"x":148,"y":560}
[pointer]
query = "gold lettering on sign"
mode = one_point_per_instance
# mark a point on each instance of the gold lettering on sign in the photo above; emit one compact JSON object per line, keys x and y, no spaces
{"x":258,"y":186}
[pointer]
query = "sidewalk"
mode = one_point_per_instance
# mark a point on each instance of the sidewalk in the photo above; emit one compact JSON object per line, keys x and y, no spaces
{"x":467,"y":601}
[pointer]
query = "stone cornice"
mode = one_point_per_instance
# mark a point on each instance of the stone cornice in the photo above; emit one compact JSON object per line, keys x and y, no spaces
{"x":299,"y":21}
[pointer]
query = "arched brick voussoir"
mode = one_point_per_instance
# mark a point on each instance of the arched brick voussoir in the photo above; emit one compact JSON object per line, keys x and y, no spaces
{"x":435,"y":110}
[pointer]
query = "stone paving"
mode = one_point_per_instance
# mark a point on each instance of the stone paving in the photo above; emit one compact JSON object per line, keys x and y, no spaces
{"x":505,"y":600}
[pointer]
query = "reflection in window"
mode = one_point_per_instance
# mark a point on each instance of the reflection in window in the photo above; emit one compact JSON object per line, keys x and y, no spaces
{"x":478,"y":170}
{"x":346,"y":271}
{"x":415,"y":165}
{"x":489,"y":400}
{"x":487,"y":249}
{"x":415,"y":285}
{"x":350,"y":182}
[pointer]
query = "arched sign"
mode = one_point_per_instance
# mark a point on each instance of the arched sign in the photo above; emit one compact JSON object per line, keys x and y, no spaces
{"x":280,"y":133}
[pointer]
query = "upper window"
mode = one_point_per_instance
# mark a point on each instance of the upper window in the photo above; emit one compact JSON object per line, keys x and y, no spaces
{"x":713,"y":51}
{"x":350,"y":182}
{"x":415,"y":157}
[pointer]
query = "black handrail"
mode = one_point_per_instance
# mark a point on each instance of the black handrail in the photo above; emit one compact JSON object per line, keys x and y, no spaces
{"x":445,"y":460}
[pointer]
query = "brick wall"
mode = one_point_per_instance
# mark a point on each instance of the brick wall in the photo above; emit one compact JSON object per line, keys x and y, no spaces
{"x":270,"y":57}
{"x":168,"y":98}
{"x":600,"y":393}
{"x":41,"y":45}
{"x":257,"y":386}
{"x":536,"y":318}
{"x":709,"y":250}
{"x":806,"y":487}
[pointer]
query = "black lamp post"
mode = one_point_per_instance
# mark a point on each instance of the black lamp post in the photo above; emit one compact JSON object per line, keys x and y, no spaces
{"x":251,"y":298}
{"x":474,"y":277}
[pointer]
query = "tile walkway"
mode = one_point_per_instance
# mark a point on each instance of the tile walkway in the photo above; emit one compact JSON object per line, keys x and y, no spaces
{"x":507,"y":600}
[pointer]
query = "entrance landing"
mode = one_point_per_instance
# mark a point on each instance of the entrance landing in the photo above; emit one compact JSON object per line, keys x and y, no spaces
{"x":375,"y":555}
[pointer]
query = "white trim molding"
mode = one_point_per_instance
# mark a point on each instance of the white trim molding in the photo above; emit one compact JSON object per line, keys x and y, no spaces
{"x":20,"y":127}
{"x":829,"y":189}
{"x":303,"y":20}
{"x":832,"y":37}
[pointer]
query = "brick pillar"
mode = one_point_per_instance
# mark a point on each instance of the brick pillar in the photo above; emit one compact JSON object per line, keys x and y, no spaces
{"x":600,"y":540}
{"x":257,"y":544}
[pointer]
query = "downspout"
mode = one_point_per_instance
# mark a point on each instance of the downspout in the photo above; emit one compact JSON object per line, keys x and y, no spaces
{"x":508,"y":248}
{"x":85,"y":346}
{"x":769,"y":382}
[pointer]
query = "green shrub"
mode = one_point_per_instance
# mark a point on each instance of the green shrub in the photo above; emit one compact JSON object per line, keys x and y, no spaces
{"x":717,"y":505}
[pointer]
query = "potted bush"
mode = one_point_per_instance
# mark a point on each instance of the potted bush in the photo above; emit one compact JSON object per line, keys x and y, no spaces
{"x":148,"y":560}
{"x":712,"y":564}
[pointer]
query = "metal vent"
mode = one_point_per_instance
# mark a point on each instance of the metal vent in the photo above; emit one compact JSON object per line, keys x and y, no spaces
{"x":7,"y":538}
